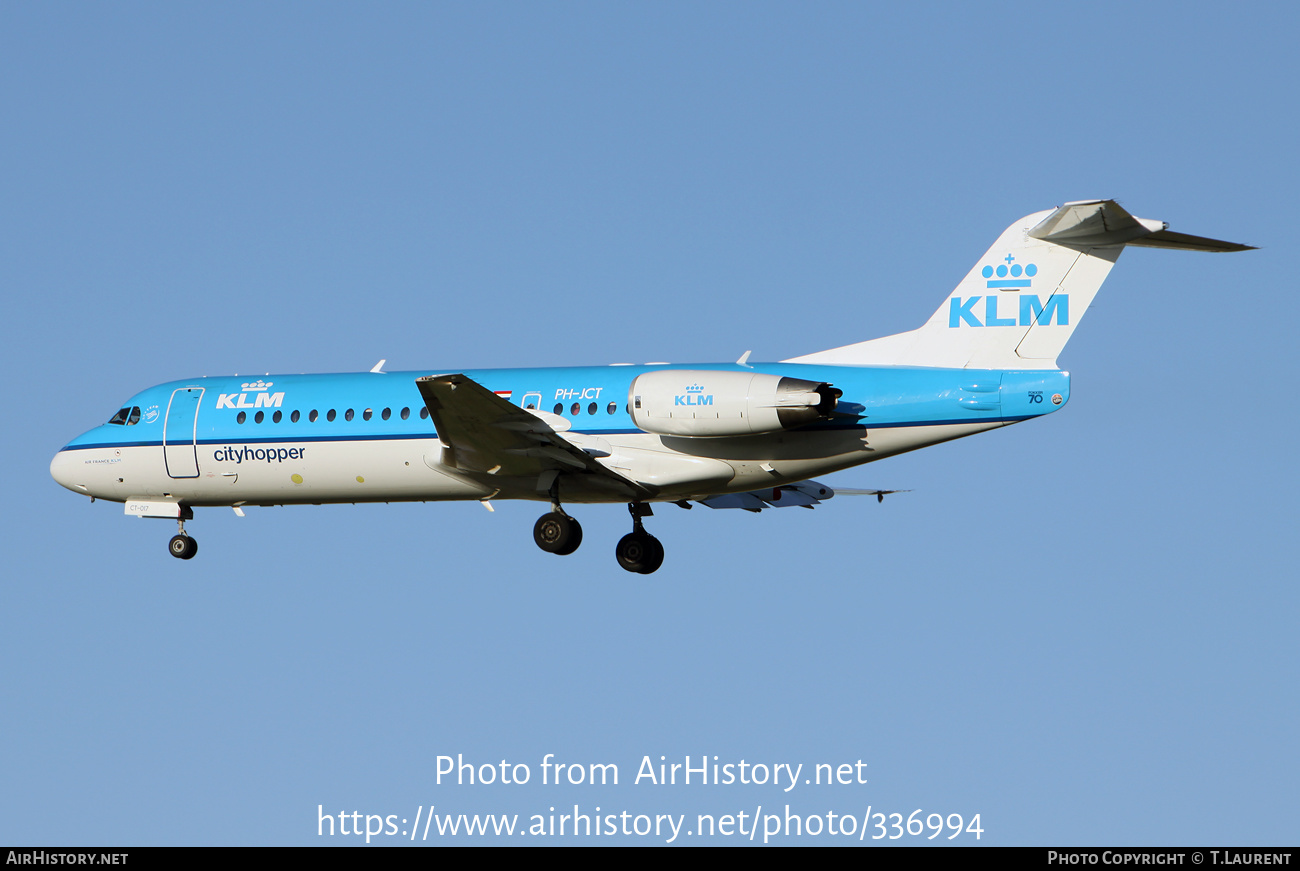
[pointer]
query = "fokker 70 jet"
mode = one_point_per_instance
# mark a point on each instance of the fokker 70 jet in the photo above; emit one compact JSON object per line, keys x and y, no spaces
{"x":732,"y":435}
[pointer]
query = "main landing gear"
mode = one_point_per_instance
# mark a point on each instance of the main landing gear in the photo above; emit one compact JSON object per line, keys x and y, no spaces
{"x":639,"y":551}
{"x":182,"y":546}
{"x":558,"y":533}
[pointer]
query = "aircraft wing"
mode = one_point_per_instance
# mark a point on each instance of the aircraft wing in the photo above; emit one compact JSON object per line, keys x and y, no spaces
{"x":487,"y":435}
{"x":805,"y":494}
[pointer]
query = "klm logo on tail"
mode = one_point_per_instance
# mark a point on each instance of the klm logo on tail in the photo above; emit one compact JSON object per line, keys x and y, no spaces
{"x":1012,"y":268}
{"x":1009,"y":276}
{"x":1032,"y":310}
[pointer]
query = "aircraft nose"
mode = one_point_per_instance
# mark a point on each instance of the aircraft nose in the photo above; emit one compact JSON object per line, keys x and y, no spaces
{"x":65,"y":469}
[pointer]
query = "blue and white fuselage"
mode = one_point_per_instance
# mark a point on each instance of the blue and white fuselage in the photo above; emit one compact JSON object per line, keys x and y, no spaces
{"x":734,"y":435}
{"x":289,"y":439}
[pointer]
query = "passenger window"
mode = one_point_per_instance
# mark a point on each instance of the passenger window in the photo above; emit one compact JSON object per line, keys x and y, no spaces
{"x":406,"y":413}
{"x":613,"y":407}
{"x":559,"y":408}
{"x":347,"y":415}
{"x":591,"y":409}
{"x":576,"y":409}
{"x":387,"y":413}
{"x":275,"y":418}
{"x":312,"y":417}
{"x":367,"y":414}
{"x":330,"y":415}
{"x":259,"y":417}
{"x":241,"y":417}
{"x":424,"y":414}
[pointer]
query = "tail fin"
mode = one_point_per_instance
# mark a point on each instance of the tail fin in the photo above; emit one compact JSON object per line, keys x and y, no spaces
{"x":1019,"y":305}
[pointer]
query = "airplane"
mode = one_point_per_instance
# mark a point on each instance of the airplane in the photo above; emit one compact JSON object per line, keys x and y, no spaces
{"x":736,"y":435}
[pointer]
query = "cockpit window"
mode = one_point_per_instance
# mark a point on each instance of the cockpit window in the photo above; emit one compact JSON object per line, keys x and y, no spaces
{"x":126,"y":416}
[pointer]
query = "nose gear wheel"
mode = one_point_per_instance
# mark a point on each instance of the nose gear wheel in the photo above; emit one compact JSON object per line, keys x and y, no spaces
{"x":183,"y":547}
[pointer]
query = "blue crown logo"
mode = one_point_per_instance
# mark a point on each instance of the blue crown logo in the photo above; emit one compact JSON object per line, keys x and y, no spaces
{"x":259,"y":384}
{"x":694,"y":388}
{"x":1012,"y":269}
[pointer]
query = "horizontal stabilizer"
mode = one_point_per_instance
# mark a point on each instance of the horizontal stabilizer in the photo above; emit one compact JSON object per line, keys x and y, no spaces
{"x":1091,"y":223}
{"x":1105,"y":222}
{"x":1185,"y":242}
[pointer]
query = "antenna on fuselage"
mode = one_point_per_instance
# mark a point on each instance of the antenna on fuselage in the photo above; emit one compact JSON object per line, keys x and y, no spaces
{"x":379,"y":368}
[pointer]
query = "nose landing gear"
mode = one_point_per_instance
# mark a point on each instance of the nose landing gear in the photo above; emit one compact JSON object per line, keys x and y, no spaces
{"x":182,"y":546}
{"x":639,"y":551}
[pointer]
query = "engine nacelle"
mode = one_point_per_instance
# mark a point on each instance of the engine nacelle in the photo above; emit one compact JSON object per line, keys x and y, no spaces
{"x":692,"y":402}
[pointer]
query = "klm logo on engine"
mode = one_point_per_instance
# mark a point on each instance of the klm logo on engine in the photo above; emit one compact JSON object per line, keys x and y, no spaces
{"x":694,"y":395}
{"x":261,"y":397}
{"x":1032,"y":310}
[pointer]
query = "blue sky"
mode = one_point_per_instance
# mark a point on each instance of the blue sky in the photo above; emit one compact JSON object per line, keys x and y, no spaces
{"x":1081,"y":628}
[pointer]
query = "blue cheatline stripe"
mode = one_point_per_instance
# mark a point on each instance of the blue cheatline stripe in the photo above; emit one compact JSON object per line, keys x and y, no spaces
{"x":309,"y":439}
{"x":866,"y":424}
{"x":261,"y":441}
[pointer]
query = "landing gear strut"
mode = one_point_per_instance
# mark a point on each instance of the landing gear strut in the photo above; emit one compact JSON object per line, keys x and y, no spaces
{"x":182,"y":546}
{"x":639,"y":551}
{"x":557,"y":532}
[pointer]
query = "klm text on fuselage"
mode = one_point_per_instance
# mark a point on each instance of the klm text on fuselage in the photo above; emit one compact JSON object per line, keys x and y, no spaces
{"x":240,"y":400}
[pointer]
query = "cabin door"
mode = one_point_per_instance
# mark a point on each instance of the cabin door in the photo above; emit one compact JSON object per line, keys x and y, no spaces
{"x":180,"y":433}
